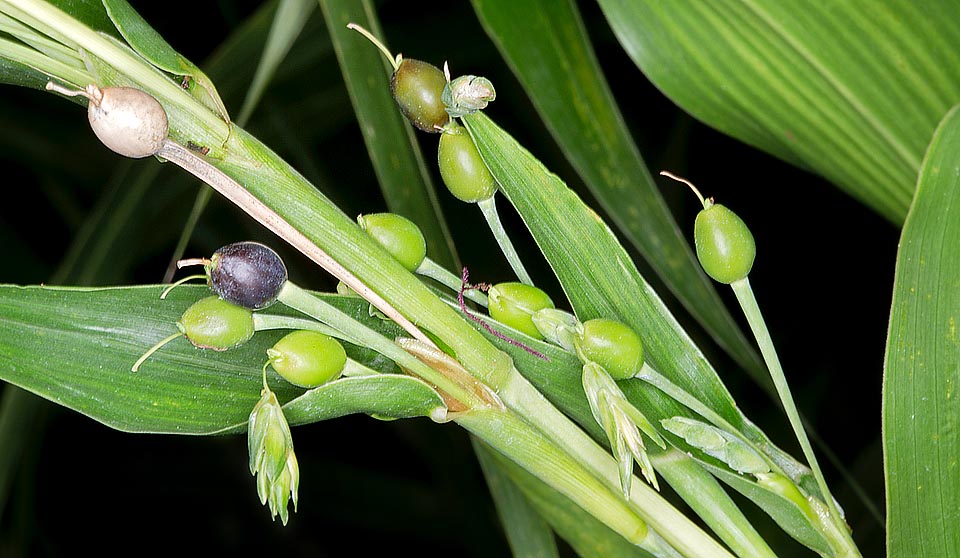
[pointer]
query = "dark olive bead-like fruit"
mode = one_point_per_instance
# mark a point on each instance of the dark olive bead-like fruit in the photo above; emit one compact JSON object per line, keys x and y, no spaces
{"x":213,"y":323}
{"x":308,"y":358}
{"x":725,"y":246}
{"x":398,"y":235}
{"x":514,"y":304}
{"x":462,"y":169}
{"x":417,"y":87}
{"x":248,"y":274}
{"x":613,"y":345}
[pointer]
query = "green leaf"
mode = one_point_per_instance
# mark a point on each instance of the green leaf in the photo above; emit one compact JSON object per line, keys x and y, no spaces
{"x":921,"y":406}
{"x":546,"y":45}
{"x":596,"y":273}
{"x":405,"y":180}
{"x":76,"y":346}
{"x":850,"y":90}
{"x":600,"y":280}
{"x":784,"y":511}
{"x":288,"y":22}
{"x":153,"y":47}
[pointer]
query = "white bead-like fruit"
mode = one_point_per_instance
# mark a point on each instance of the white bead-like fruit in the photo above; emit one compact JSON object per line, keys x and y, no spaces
{"x":128,"y":121}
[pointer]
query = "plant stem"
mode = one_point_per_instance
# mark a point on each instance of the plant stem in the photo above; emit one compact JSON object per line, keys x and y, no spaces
{"x":751,"y":310}
{"x":489,"y":209}
{"x":517,"y":440}
{"x":518,"y":394}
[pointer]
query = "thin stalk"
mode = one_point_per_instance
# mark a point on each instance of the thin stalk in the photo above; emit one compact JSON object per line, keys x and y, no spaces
{"x":489,"y":209}
{"x":751,"y":310}
{"x":438,"y":273}
{"x":265,"y":322}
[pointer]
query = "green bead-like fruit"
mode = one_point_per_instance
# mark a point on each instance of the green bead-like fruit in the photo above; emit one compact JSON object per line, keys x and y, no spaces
{"x":514,"y":304}
{"x":213,"y":323}
{"x":613,"y":345}
{"x":725,"y":246}
{"x":308,"y":358}
{"x":417,"y":87}
{"x":462,"y":168}
{"x":398,"y":235}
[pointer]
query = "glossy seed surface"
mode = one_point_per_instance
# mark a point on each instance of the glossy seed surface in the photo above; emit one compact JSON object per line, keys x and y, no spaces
{"x":514,"y":304}
{"x":417,"y":87}
{"x":398,"y":235}
{"x":725,"y":246}
{"x":308,"y":358}
{"x":213,"y":323}
{"x":613,"y":345}
{"x":462,"y":169}
{"x":248,"y":274}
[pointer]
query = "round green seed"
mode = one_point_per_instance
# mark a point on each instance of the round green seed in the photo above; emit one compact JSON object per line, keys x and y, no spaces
{"x":613,"y":345}
{"x":462,"y":169}
{"x":398,"y":235}
{"x":514,"y":304}
{"x":307,"y":358}
{"x":725,"y":246}
{"x":213,"y":323}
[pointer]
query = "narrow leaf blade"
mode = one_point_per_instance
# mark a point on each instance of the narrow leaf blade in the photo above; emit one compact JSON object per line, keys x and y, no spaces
{"x":545,"y":43}
{"x":921,"y":407}
{"x":76,"y":346}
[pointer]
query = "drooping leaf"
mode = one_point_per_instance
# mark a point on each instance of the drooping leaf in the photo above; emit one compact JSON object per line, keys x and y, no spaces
{"x":850,"y":90}
{"x":76,"y":347}
{"x":546,"y":45}
{"x":921,"y":406}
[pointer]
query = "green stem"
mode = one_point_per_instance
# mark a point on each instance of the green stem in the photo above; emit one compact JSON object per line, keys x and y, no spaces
{"x":527,"y":447}
{"x":489,"y":209}
{"x":265,"y":322}
{"x":751,"y":310}
{"x":518,"y":394}
{"x":438,"y":273}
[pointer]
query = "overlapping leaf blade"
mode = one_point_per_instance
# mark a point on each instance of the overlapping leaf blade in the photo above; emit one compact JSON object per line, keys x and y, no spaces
{"x":546,"y":45}
{"x":76,"y":347}
{"x":600,"y":280}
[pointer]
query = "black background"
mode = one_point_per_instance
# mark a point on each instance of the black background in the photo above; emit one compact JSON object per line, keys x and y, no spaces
{"x":823,"y":278}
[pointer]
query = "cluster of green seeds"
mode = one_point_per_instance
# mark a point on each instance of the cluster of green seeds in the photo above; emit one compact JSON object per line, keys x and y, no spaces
{"x":249,"y":276}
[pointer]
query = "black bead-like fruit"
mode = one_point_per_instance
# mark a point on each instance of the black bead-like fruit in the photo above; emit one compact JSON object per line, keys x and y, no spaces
{"x":248,"y":274}
{"x":417,"y":87}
